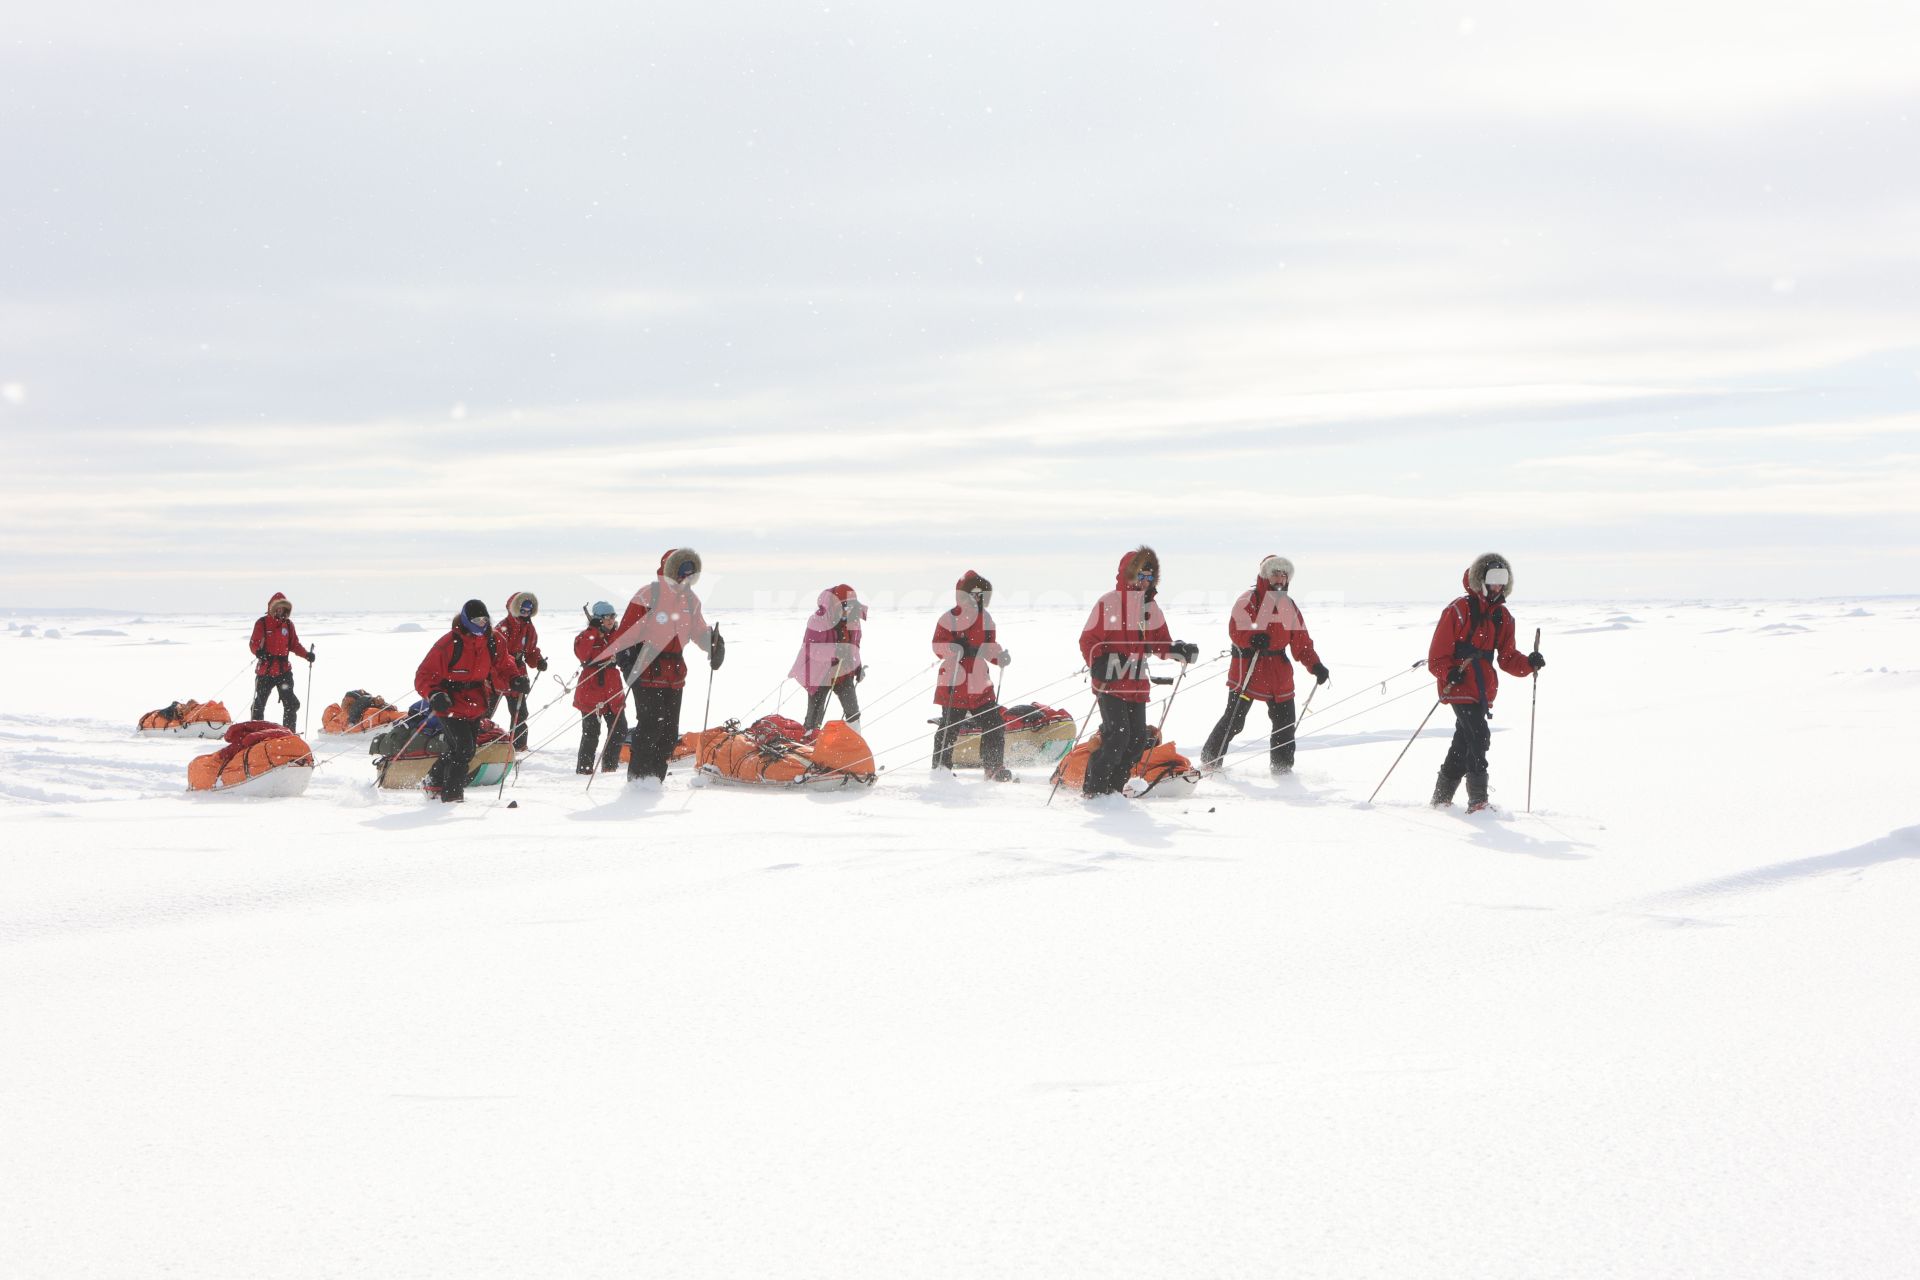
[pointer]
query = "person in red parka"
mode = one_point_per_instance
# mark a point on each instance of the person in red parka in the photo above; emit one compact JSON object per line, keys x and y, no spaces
{"x":521,"y":642}
{"x":1264,"y":624}
{"x":968,"y":644}
{"x":273,"y":639}
{"x":1124,"y":629}
{"x":599,"y":695}
{"x":1474,"y":635}
{"x":661,"y":619}
{"x":459,"y":678}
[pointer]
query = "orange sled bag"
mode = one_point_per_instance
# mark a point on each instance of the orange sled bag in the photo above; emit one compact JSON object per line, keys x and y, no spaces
{"x":187,"y":719}
{"x":260,"y":759}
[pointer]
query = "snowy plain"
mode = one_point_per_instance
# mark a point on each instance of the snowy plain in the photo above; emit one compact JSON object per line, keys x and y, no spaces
{"x":1665,"y":1025}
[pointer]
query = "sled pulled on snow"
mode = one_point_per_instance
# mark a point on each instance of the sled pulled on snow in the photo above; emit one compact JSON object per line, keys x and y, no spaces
{"x":1160,"y":766}
{"x":766,"y":753}
{"x":260,"y":759}
{"x":1035,"y":734}
{"x":188,"y":719}
{"x":359,"y":712}
{"x":405,"y":753}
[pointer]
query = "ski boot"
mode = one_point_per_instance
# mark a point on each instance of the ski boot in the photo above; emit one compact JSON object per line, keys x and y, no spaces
{"x":1444,"y":787}
{"x":1001,"y":774}
{"x":1477,"y":793}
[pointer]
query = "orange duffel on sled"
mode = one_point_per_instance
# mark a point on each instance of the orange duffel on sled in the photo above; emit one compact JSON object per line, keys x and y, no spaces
{"x":359,"y":712}
{"x":260,"y":759}
{"x":1159,"y":763}
{"x":187,"y":719}
{"x":689,"y":746}
{"x":763,"y":753}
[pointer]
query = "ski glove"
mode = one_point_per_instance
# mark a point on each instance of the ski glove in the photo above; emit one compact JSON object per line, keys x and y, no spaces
{"x":260,"y":654}
{"x":1183,"y":652}
{"x":440,"y":701}
{"x":520,"y":685}
{"x":1002,"y":658}
{"x":542,"y":664}
{"x":859,"y":675}
{"x":1537,"y":662}
{"x":312,"y":653}
{"x":1320,"y":673}
{"x":716,"y":651}
{"x":1260,"y":642}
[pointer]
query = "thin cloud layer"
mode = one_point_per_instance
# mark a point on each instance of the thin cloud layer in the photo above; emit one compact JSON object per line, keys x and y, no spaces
{"x":408,"y":306}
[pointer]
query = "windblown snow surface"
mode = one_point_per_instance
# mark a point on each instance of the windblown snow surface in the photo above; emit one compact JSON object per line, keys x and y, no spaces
{"x":1666,"y":1025}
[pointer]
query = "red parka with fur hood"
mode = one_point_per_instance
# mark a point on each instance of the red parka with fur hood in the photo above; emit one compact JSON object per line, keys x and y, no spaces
{"x":967,"y":644}
{"x":273,"y":639}
{"x":1472,"y":636}
{"x":1267,"y":610}
{"x":660,"y":619}
{"x":1125,"y":628}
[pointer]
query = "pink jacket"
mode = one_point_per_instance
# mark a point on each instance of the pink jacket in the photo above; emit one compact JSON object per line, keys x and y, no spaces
{"x":830,"y":651}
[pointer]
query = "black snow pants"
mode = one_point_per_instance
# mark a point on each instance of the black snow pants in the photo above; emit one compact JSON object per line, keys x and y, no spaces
{"x":289,"y":703}
{"x":1279,"y":741}
{"x":817,"y":704}
{"x":993,"y":736}
{"x":1123,"y":736}
{"x":656,"y":731}
{"x":616,"y":718}
{"x":458,"y":741}
{"x":1466,"y":755}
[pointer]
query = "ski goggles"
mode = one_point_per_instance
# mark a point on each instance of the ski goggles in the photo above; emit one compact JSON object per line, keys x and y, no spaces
{"x":1498,"y":578}
{"x":1146,"y":576}
{"x":685,"y":570}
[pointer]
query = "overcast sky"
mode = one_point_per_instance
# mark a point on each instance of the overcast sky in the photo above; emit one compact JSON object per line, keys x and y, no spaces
{"x":388,"y":305}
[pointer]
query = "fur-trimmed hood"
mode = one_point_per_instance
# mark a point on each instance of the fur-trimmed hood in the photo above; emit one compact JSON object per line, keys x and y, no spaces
{"x":1142,"y":559}
{"x":1475,"y":578}
{"x":675,"y":562}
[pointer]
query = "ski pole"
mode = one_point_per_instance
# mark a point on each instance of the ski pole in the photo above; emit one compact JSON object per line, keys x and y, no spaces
{"x":1167,"y":707}
{"x":706,"y":712}
{"x":1403,"y":751}
{"x":1532,"y":717}
{"x":513,"y":770}
{"x":1060,"y":771}
{"x":313,"y":656}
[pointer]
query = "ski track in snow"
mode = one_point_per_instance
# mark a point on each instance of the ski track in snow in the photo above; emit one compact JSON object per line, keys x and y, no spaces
{"x":1664,"y":1025}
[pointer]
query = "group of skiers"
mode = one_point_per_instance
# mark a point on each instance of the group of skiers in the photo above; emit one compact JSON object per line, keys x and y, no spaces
{"x":476,"y":665}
